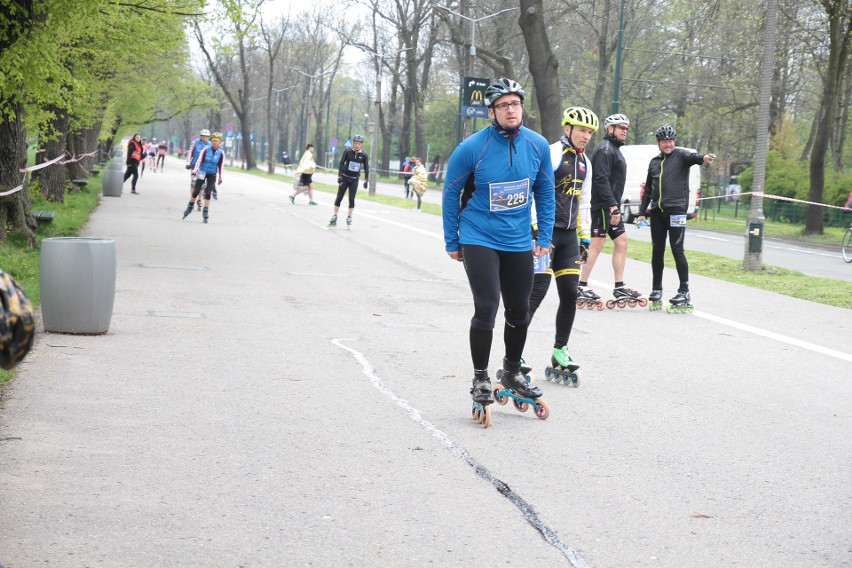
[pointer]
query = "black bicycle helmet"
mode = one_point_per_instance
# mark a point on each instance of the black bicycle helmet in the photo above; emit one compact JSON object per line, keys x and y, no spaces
{"x":666,"y":132}
{"x":17,"y":323}
{"x":357,"y":138}
{"x":503,"y":86}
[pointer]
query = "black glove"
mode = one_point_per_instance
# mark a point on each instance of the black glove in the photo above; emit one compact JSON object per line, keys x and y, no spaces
{"x":339,"y":181}
{"x":584,"y":251}
{"x":188,"y":167}
{"x":365,"y":184}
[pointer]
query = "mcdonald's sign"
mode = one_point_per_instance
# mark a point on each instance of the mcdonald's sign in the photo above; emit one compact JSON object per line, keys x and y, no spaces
{"x":474,"y":104}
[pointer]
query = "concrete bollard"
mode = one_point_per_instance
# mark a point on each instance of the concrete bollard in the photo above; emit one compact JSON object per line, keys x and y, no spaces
{"x":77,"y":284}
{"x":113,"y":177}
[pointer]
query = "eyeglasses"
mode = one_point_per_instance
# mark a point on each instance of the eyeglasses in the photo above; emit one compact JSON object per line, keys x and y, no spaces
{"x":514,"y":105}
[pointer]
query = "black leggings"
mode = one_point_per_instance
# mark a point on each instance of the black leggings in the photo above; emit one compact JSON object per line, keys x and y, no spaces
{"x":565,"y":264}
{"x":492,"y":274}
{"x":132,"y":170}
{"x":660,"y":226}
{"x":208,"y":188}
{"x":352,"y":186}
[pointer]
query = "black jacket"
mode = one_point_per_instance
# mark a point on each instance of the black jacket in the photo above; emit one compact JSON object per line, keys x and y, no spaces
{"x":667,"y":184}
{"x":609,"y":174}
{"x":351,"y":164}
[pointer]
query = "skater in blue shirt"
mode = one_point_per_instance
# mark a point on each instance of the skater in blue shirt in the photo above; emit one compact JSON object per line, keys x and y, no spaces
{"x":491,"y":179}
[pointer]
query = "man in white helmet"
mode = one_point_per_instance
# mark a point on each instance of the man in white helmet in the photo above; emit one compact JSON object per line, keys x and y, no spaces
{"x":203,"y":141}
{"x":609,"y":175}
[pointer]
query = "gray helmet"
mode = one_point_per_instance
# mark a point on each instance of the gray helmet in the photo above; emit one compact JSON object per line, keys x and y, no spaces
{"x":357,"y":138}
{"x":503,"y":86}
{"x":616,"y":119}
{"x":666,"y":132}
{"x":204,"y":132}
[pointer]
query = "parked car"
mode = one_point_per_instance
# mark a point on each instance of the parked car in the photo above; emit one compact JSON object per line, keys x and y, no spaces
{"x":638,"y":157}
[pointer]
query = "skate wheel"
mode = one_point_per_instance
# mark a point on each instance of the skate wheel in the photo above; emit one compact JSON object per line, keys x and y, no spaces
{"x":631,"y":303}
{"x":670,"y":309}
{"x":541,"y":409}
{"x":690,"y":309}
{"x":521,"y":406}
{"x":548,"y":374}
{"x":589,"y":304}
{"x":600,"y":305}
{"x":621,"y":303}
{"x":500,"y":399}
{"x":610,"y":304}
{"x":576,"y":380}
{"x":643,"y":302}
{"x":482,"y":414}
{"x":530,"y":378}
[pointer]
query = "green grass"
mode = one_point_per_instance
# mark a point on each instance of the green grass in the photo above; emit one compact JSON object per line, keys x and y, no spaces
{"x":724,"y":221}
{"x":788,"y":282}
{"x":22,"y":262}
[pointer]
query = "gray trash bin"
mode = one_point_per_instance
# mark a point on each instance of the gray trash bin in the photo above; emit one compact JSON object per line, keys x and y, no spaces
{"x":77,"y":284}
{"x":113,"y":178}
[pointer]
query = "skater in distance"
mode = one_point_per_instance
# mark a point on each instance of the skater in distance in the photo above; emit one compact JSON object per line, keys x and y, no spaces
{"x":607,"y":189}
{"x":491,"y":178}
{"x":665,"y":202}
{"x":352,"y":162}
{"x":207,"y":168}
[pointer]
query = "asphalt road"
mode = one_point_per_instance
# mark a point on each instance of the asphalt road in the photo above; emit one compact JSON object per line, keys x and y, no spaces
{"x":814,"y":260}
{"x":276,"y":393}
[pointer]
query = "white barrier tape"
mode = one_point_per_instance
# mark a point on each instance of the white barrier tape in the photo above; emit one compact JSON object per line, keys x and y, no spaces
{"x":778,"y":197}
{"x":11,"y":191}
{"x":78,"y":158}
{"x":43,"y":164}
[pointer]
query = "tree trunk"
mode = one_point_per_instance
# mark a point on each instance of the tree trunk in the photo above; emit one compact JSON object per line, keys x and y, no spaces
{"x":840,"y":33}
{"x":15,"y":209}
{"x":53,"y":177}
{"x":544,"y":68}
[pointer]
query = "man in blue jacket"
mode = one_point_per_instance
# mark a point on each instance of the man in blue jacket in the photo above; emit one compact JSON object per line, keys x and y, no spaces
{"x":492,"y":176}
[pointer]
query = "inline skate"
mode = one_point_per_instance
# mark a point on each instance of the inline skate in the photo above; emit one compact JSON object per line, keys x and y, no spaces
{"x":680,"y":304}
{"x":205,"y":214}
{"x":563,"y":368}
{"x":188,"y":210}
{"x":333,"y":221}
{"x":514,"y":385}
{"x":349,"y":221}
{"x":656,"y":300}
{"x":482,"y":395}
{"x":626,"y":297}
{"x":586,"y":298}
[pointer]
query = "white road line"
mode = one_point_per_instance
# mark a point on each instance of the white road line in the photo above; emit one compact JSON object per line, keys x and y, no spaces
{"x":762,"y":332}
{"x":529,"y":513}
{"x":776,"y":336}
{"x":709,"y":317}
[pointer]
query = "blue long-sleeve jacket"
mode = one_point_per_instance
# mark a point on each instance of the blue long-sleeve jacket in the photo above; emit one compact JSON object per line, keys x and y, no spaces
{"x":506,"y":177}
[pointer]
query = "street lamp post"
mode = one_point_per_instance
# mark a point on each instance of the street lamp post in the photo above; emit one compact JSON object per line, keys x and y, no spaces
{"x":306,"y":119}
{"x":374,"y":145}
{"x":472,"y":60}
{"x":277,"y":119}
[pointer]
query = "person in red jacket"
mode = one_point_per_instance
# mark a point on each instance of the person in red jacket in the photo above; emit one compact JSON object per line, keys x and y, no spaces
{"x":135,"y":154}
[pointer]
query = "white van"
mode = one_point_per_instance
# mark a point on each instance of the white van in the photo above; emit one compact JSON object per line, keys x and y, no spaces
{"x":638,"y":157}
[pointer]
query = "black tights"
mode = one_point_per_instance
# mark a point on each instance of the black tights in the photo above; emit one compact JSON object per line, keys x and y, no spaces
{"x":492,"y":274}
{"x":352,"y":186}
{"x":660,"y":227}
{"x":565,"y":265}
{"x":132,"y":170}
